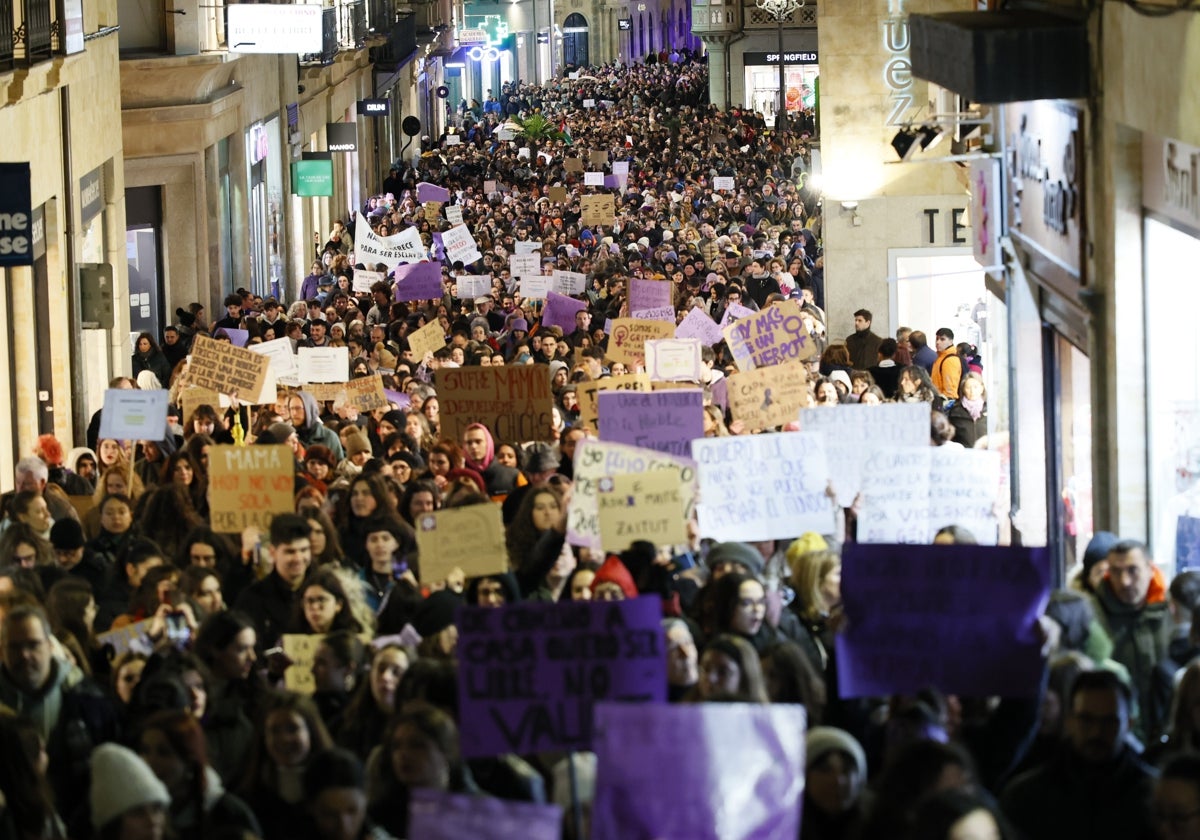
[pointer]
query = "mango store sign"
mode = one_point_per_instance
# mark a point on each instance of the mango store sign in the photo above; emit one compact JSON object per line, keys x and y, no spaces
{"x":16,"y":215}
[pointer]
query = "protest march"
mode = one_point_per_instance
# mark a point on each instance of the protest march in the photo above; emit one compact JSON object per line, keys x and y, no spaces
{"x":546,"y":506}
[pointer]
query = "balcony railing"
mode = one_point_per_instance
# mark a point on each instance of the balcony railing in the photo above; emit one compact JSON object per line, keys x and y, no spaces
{"x":329,"y":40}
{"x":352,"y":24}
{"x":380,"y":16}
{"x":29,"y":32}
{"x":6,"y":35}
{"x":401,"y":43}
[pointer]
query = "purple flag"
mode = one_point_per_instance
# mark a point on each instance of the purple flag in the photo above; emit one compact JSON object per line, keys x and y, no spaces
{"x":528,"y":673}
{"x":717,"y":771}
{"x":560,"y":311}
{"x":419,"y":281}
{"x":665,"y":421}
{"x":957,"y":617}
{"x":432,"y":192}
{"x":649,"y":294}
{"x":437,"y":815}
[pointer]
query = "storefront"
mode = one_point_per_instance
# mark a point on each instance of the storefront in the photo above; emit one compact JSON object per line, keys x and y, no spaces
{"x":800,"y":73}
{"x":1171,"y":244}
{"x":265,"y":178}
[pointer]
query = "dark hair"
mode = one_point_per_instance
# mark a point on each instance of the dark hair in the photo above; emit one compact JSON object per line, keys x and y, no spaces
{"x":1126,"y":546}
{"x":1100,"y":679}
{"x":30,"y":804}
{"x":289,"y":527}
{"x":218,"y":632}
{"x":917,"y":339}
{"x":1185,"y":588}
{"x":888,"y":347}
{"x":328,"y":580}
{"x":1184,"y":767}
{"x":66,"y":603}
{"x":725,"y":599}
{"x":347,"y":648}
{"x":753,"y":689}
{"x":137,"y":552}
{"x":944,"y":332}
{"x":864,"y":313}
{"x":332,"y":768}
{"x":937,"y":813}
{"x":794,"y":679}
{"x":186,"y":738}
{"x":959,"y":534}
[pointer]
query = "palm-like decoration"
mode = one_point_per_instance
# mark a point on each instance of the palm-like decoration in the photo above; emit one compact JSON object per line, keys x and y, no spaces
{"x":536,"y":130}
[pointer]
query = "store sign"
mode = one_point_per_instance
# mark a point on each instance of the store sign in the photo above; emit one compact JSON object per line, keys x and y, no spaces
{"x":374,"y":107}
{"x":274,"y":28}
{"x":16,"y":215}
{"x":897,"y":69}
{"x":259,"y":145}
{"x":341,"y":137}
{"x":472,"y":36}
{"x":1171,"y":179}
{"x":91,"y":195}
{"x":312,"y":178}
{"x":772,"y":58}
{"x":73,"y":26}
{"x":625,"y":24}
{"x":945,"y":228}
{"x":1045,"y":196}
{"x":985,"y":211}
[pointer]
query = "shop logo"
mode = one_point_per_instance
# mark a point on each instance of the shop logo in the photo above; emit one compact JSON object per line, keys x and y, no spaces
{"x":1180,"y":180}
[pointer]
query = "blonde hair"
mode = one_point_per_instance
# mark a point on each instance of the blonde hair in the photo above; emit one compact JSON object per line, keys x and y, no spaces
{"x":809,"y":568}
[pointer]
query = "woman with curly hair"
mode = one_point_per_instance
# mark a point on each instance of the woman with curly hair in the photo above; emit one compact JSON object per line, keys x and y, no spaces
{"x":367,"y":498}
{"x":324,"y":606}
{"x":166,"y":515}
{"x":183,"y":471}
{"x":916,"y":386}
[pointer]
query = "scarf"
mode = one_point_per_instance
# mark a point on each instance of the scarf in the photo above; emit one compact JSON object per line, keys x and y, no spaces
{"x":973,"y":407}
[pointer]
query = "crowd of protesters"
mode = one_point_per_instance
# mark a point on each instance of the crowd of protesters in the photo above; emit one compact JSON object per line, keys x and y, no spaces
{"x":192,"y":733}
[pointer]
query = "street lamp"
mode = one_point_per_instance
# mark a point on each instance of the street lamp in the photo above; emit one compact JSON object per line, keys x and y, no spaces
{"x":780,"y":10}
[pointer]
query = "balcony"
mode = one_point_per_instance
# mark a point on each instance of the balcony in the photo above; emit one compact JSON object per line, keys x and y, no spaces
{"x":804,"y":17}
{"x":329,"y":41}
{"x":401,"y":43}
{"x":380,"y":16}
{"x":351,"y":24}
{"x":29,"y":32}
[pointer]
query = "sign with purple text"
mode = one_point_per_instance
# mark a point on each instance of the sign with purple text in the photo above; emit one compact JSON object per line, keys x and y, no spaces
{"x":772,"y":336}
{"x":699,"y":760}
{"x":699,"y":324}
{"x":438,"y":815}
{"x":647,"y":295}
{"x":665,"y":421}
{"x":529,"y":673}
{"x":958,"y":617}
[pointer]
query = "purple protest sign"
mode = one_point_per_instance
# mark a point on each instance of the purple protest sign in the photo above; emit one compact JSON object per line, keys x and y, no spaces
{"x":437,"y":815}
{"x":398,"y":398}
{"x":528,"y":673}
{"x":665,"y":421}
{"x":612,"y":182}
{"x":432,"y":192}
{"x":237,"y":338}
{"x":418,"y":281}
{"x":560,"y":311}
{"x":649,"y":294}
{"x":439,"y":247}
{"x":712,"y":750}
{"x":699,"y":324}
{"x":960,"y":618}
{"x":720,"y":393}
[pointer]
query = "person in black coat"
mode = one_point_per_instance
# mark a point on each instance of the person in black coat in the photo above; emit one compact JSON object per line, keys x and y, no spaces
{"x":148,"y":356}
{"x":968,"y":415}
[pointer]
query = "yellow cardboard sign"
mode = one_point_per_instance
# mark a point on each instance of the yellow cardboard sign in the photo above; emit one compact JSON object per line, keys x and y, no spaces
{"x":770,"y":337}
{"x":588,"y":393}
{"x":222,"y":367}
{"x":249,"y":485}
{"x":644,"y":506}
{"x":598,"y":209}
{"x":767,"y":397}
{"x":469,"y":538}
{"x":627,"y":343}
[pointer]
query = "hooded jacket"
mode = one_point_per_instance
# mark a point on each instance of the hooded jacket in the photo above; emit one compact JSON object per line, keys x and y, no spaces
{"x":314,"y":431}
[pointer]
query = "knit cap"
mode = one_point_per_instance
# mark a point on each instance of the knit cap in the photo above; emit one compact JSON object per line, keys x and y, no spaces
{"x":822,"y":740}
{"x":121,"y":781}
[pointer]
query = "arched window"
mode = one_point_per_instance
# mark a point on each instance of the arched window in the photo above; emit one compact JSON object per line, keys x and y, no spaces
{"x":575,"y":40}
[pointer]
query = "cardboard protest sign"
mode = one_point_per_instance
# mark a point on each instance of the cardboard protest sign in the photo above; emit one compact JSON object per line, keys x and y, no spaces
{"x":593,"y":179}
{"x":283,"y":359}
{"x":249,"y":485}
{"x":594,"y":460}
{"x":418,"y":281}
{"x":429,"y":339}
{"x":301,"y":649}
{"x":771,"y":337}
{"x":366,"y":393}
{"x":650,"y":295}
{"x":370,"y":248}
{"x":781,"y":497}
{"x":852,"y":431}
{"x":768,"y":397}
{"x":598,"y":209}
{"x":665,"y":421}
{"x":514,"y":401}
{"x":963,"y":488}
{"x":437,"y":815}
{"x":598,"y":158}
{"x":433,"y":211}
{"x":648,"y":506}
{"x":224,"y":368}
{"x":723,"y":182}
{"x":132,"y":638}
{"x":557,"y":195}
{"x":627,"y":341}
{"x":530,"y":672}
{"x":489,"y":188}
{"x":454,"y":214}
{"x":573,"y":164}
{"x":323,"y":391}
{"x":134,"y":414}
{"x":674,"y":360}
{"x":570,"y":283}
{"x":715,"y":748}
{"x":895,"y":490}
{"x":699,"y":324}
{"x":323,"y":364}
{"x":524,"y":265}
{"x":531,"y":246}
{"x":1187,"y":543}
{"x":588,"y":393}
{"x":560,"y":311}
{"x":432,"y":192}
{"x":191,"y":398}
{"x":959,"y":617}
{"x":460,"y":245}
{"x":364,"y":280}
{"x":470,"y":538}
{"x":537,"y":287}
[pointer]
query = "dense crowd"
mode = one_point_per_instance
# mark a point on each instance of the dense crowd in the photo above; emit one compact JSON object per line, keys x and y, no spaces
{"x":144,"y":679}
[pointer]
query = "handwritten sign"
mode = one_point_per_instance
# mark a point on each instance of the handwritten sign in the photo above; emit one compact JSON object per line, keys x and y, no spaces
{"x":593,"y":179}
{"x":530,"y":673}
{"x":429,"y":339}
{"x":781,"y":497}
{"x":283,"y":359}
{"x":191,"y":398}
{"x":767,"y":397}
{"x":665,"y":421}
{"x":570,"y":282}
{"x":598,"y":209}
{"x":489,"y":187}
{"x":471,"y":286}
{"x":514,"y":401}
{"x":595,"y":460}
{"x":588,"y":393}
{"x":710,"y":747}
{"x":133,"y":638}
{"x":723,"y":182}
{"x":732,"y":313}
{"x":700,"y":325}
{"x":249,"y":485}
{"x":895,"y":489}
{"x":557,"y":195}
{"x":650,"y":295}
{"x":323,"y":364}
{"x":620,"y":167}
{"x":560,"y":311}
{"x":537,"y":286}
{"x":366,"y":393}
{"x":852,"y":431}
{"x":371,"y":249}
{"x":771,"y":337}
{"x":224,"y":368}
{"x":301,"y":649}
{"x":648,"y":506}
{"x":527,"y":246}
{"x":454,"y":214}
{"x":433,"y":211}
{"x":470,"y":538}
{"x":629,"y":336}
{"x":674,"y":359}
{"x":959,"y":617}
{"x":461,"y":245}
{"x":418,"y":281}
{"x":437,"y":815}
{"x":134,"y":415}
{"x":364,"y":280}
{"x":963,"y":488}
{"x":524,"y":265}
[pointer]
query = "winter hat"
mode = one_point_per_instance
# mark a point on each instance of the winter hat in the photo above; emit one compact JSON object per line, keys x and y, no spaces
{"x":66,"y":535}
{"x":735,"y":552}
{"x":186,"y":318}
{"x":436,"y":613}
{"x":50,"y":450}
{"x":518,"y":324}
{"x":470,"y":475}
{"x":822,"y":740}
{"x":387,"y":359}
{"x":840,"y":376}
{"x":614,"y":571}
{"x":806,"y":542}
{"x":280,"y":432}
{"x":1097,"y":549}
{"x":355,"y":443}
{"x":481,"y":322}
{"x":319,"y":452}
{"x":555,"y":366}
{"x":541,"y":457}
{"x":121,"y":781}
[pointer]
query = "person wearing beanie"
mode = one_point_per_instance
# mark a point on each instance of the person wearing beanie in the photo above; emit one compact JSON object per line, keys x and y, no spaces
{"x":1095,"y":561}
{"x":434,"y":621}
{"x":51,"y":452}
{"x":613,"y":581}
{"x":358,"y":452}
{"x":834,"y":781}
{"x":73,"y":555}
{"x":724,"y":558}
{"x":126,"y":793}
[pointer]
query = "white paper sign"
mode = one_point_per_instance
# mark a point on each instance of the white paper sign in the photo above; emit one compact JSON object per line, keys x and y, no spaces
{"x":660,"y":313}
{"x":699,"y":325}
{"x":593,"y":179}
{"x":674,"y":360}
{"x":460,"y":245}
{"x":134,"y":415}
{"x":454,"y":214}
{"x":527,"y":246}
{"x":963,"y":488}
{"x":363,"y":280}
{"x":569,"y":282}
{"x":723,"y":182}
{"x":620,"y":167}
{"x":589,"y":103}
{"x":852,"y":431}
{"x":471,"y":286}
{"x":324,"y":364}
{"x":371,"y":248}
{"x":782,"y":497}
{"x":283,"y":360}
{"x":895,"y":488}
{"x":453,"y":140}
{"x":525,"y":265}
{"x":536,"y":288}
